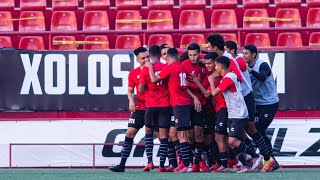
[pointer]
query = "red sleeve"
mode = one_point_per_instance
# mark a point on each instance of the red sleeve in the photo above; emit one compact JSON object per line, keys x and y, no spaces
{"x":165,"y":72}
{"x":131,"y":80}
{"x":226,"y":84}
{"x":144,"y":73}
{"x":242,"y":63}
{"x":234,"y":69}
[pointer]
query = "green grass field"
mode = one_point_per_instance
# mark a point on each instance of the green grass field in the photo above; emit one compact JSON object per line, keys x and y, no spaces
{"x":88,"y":174}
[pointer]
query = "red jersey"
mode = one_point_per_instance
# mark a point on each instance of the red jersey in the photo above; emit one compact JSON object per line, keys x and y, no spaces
{"x":157,"y":95}
{"x":177,"y":83}
{"x":133,"y":82}
{"x":218,"y":100}
{"x":242,"y":63}
{"x":200,"y":71}
{"x":227,"y":84}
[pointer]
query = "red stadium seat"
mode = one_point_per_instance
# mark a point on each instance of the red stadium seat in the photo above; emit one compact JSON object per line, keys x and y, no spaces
{"x":128,"y":15}
{"x":95,"y":21}
{"x":287,"y":3}
{"x":313,"y":18}
{"x":96,"y":4}
{"x":255,"y":3}
{"x":223,"y":18}
{"x":32,"y":5}
{"x":160,"y":15}
{"x":192,"y":19}
{"x":292,"y":39}
{"x":6,"y":21}
{"x":65,"y":5}
{"x":129,"y":4}
{"x":160,"y":4}
{"x":68,"y":39}
{"x":313,"y":3}
{"x":314,"y":39}
{"x":63,"y":21}
{"x":128,"y":42}
{"x":5,"y":41}
{"x":229,"y":37}
{"x":6,"y":4}
{"x":36,"y":24}
{"x":192,"y":4}
{"x":288,"y":13}
{"x":96,"y":39}
{"x":186,"y":39}
{"x":253,"y":13}
{"x":159,"y":39}
{"x":224,"y":4}
{"x":31,"y":43}
{"x":258,"y":39}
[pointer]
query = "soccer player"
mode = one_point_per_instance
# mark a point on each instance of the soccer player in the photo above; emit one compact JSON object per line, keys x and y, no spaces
{"x":231,"y":47}
{"x":137,"y":108}
{"x":237,"y":111}
{"x":180,"y":101}
{"x":265,"y":95}
{"x":158,"y":107}
{"x":164,"y":48}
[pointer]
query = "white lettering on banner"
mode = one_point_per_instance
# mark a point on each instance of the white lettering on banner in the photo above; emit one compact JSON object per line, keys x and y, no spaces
{"x":93,"y":60}
{"x":74,"y":89}
{"x":60,"y":62}
{"x":31,"y":78}
{"x":117,"y":60}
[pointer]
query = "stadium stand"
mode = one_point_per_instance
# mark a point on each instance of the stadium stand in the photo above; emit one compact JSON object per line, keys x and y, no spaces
{"x":6,"y":23}
{"x":229,"y":37}
{"x":63,"y":43}
{"x":287,"y":3}
{"x":95,"y":21}
{"x":192,"y":19}
{"x":33,"y":5}
{"x":314,"y":39}
{"x":124,"y":20}
{"x":160,"y":4}
{"x":96,"y":4}
{"x":291,"y":18}
{"x":190,"y":38}
{"x":313,"y":3}
{"x":96,"y":42}
{"x":128,"y":42}
{"x":255,"y":3}
{"x":5,"y":41}
{"x":222,"y":4}
{"x":313,"y":18}
{"x":192,"y":4}
{"x":292,"y":39}
{"x":258,"y":39}
{"x":31,"y":43}
{"x":160,"y":15}
{"x":32,"y":21}
{"x":159,"y":39}
{"x":223,"y":18}
{"x":65,"y":5}
{"x":129,"y":4}
{"x":6,"y":4}
{"x":64,"y":21}
{"x":250,"y":14}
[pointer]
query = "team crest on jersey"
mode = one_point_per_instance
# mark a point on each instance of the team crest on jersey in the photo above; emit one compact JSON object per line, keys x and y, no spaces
{"x":138,"y":77}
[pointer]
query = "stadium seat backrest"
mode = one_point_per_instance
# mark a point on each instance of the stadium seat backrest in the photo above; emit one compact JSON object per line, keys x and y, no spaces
{"x":186,"y":39}
{"x":95,"y":21}
{"x":31,"y":43}
{"x":36,"y":24}
{"x":129,"y":4}
{"x":96,"y":4}
{"x":287,"y":3}
{"x":63,"y":46}
{"x":160,"y":4}
{"x":192,"y":19}
{"x":258,"y":39}
{"x":65,"y":4}
{"x":5,"y":41}
{"x":292,"y":39}
{"x":255,"y":13}
{"x":224,"y":4}
{"x":288,"y":13}
{"x":223,"y":18}
{"x":314,"y":39}
{"x":6,"y":4}
{"x":160,"y":15}
{"x":313,"y":3}
{"x":128,"y":42}
{"x":96,"y":39}
{"x":192,"y":4}
{"x":63,"y":21}
{"x":6,"y":21}
{"x":159,"y":39}
{"x":313,"y":18}
{"x":255,"y":3}
{"x":229,"y":37}
{"x":126,"y":16}
{"x":32,"y":5}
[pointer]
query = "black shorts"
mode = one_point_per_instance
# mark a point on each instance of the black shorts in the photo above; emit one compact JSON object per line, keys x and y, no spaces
{"x":222,"y":121}
{"x":198,"y":118}
{"x":209,"y":122}
{"x":182,"y":117}
{"x":157,"y":117}
{"x":265,"y":115}
{"x":251,"y":106}
{"x":236,"y":127}
{"x":172,"y":122}
{"x":136,"y":119}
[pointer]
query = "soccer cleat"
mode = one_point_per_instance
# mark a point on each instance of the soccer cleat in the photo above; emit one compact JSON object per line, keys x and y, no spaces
{"x":195,"y":168}
{"x":257,"y":163}
{"x":232,"y":162}
{"x":170,"y":168}
{"x":276,"y":165}
{"x":162,"y":169}
{"x":222,"y":169}
{"x":244,"y":169}
{"x":268,"y":165}
{"x":117,"y":168}
{"x":181,"y":168}
{"x":214,"y":167}
{"x":180,"y":160}
{"x":204,"y":167}
{"x":148,"y":167}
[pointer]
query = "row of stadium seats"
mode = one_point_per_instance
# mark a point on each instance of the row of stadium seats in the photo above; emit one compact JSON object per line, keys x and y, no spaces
{"x":151,"y":4}
{"x":159,"y":20}
{"x":99,"y":42}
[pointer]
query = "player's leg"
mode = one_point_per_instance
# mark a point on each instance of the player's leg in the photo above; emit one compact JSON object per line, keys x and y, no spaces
{"x":173,"y":146}
{"x":163,"y":122}
{"x":149,"y":128}
{"x":208,"y":132}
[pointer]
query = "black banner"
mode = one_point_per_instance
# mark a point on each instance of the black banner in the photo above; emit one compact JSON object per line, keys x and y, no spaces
{"x":97,"y":80}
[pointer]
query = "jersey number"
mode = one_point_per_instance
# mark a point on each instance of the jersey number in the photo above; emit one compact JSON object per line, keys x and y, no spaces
{"x":157,"y":73}
{"x":183,"y":79}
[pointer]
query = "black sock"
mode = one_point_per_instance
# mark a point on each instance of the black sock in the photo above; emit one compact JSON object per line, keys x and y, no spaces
{"x":172,"y":155}
{"x":177,"y":148}
{"x":209,"y":155}
{"x":126,"y":150}
{"x":214,"y":150}
{"x":259,"y":141}
{"x":239,"y":151}
{"x":224,"y":159}
{"x":248,"y":143}
{"x":163,"y":151}
{"x":149,"y":146}
{"x":198,"y":152}
{"x":185,"y":153}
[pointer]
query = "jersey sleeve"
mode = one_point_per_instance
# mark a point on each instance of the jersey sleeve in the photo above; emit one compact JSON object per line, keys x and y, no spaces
{"x":234,"y":69}
{"x":131,"y":80}
{"x":226,"y":84}
{"x":242,"y":63}
{"x":165,"y":72}
{"x":144,"y":73}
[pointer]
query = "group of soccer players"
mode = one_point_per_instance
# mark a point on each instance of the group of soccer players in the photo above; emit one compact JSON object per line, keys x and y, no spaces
{"x":202,"y":108}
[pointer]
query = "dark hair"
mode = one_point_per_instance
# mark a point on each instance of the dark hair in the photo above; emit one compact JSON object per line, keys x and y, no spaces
{"x":162,"y":46}
{"x":184,"y":56}
{"x":252,"y":48}
{"x":194,"y":46}
{"x":172,"y":53}
{"x":211,"y":55}
{"x":155,"y":51}
{"x":216,"y":40}
{"x":231,"y":45}
{"x":225,"y":61}
{"x":139,"y":50}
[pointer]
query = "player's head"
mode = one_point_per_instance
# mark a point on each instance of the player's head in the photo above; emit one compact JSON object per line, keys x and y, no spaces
{"x":231,"y":47}
{"x":215,"y":43}
{"x":142,"y":55}
{"x":250,"y":52}
{"x":184,"y":56}
{"x":209,"y":61}
{"x":164,"y":48}
{"x":173,"y":55}
{"x":155,"y":53}
{"x":222,"y":64}
{"x":194,"y":52}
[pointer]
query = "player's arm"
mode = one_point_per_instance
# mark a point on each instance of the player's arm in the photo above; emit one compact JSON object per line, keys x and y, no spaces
{"x":235,"y":69}
{"x":264,"y":72}
{"x":196,"y":80}
{"x":132,"y":105}
{"x":154,"y":79}
{"x":142,"y":85}
{"x":197,"y":103}
{"x":214,"y":91}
